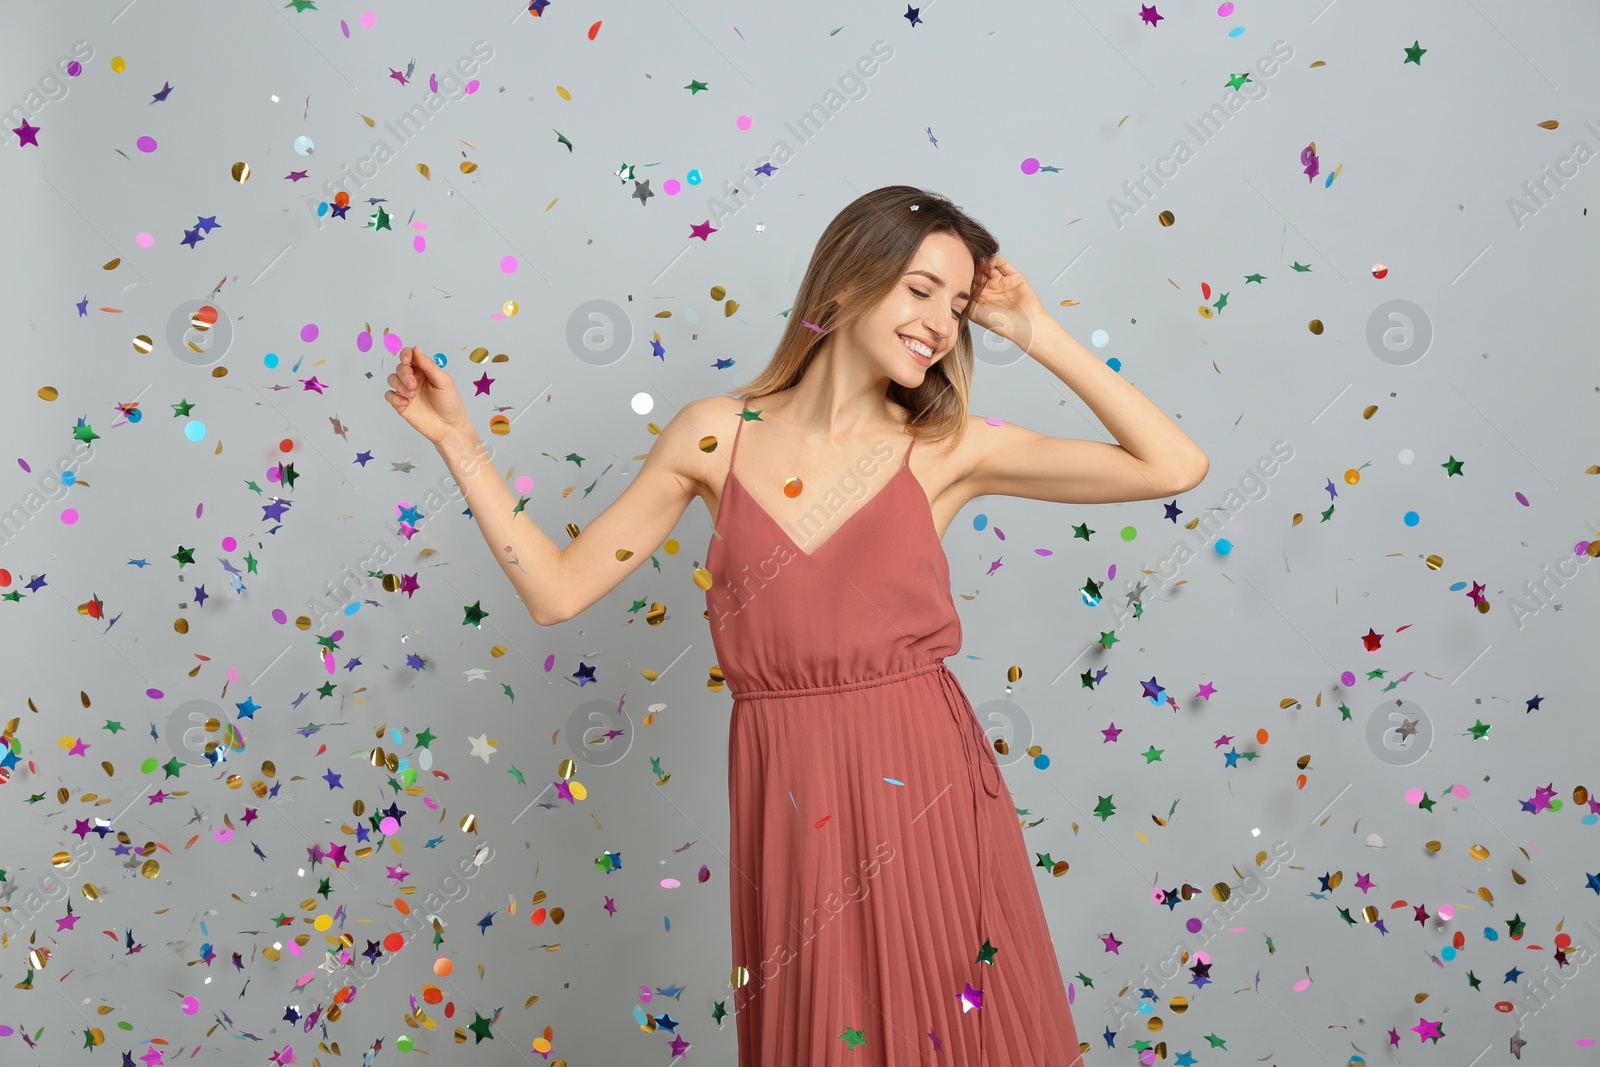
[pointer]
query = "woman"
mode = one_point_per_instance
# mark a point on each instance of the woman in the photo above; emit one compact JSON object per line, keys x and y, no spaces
{"x":884,"y":903}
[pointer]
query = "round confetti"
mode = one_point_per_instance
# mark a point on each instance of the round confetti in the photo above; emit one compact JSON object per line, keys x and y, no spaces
{"x":672,"y":187}
{"x":73,"y":70}
{"x":389,"y":825}
{"x":146,"y":144}
{"x":304,"y":146}
{"x":144,"y":240}
{"x":194,"y":430}
{"x":1347,"y":679}
{"x":1412,"y":518}
{"x":392,"y":343}
{"x":1224,"y":546}
{"x":442,"y":966}
{"x":742,"y":122}
{"x":309,"y":332}
{"x":270,"y":360}
{"x":69,"y":516}
{"x":508,"y":264}
{"x":229,"y":544}
{"x":119,"y":64}
{"x":524,"y":484}
{"x":190,"y":1005}
{"x":369,"y":19}
{"x":1030,"y":166}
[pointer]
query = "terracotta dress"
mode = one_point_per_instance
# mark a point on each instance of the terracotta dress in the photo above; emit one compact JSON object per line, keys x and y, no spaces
{"x":877,"y":857}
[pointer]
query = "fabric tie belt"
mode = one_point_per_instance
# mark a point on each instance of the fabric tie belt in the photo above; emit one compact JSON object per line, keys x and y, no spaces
{"x":983,"y":770}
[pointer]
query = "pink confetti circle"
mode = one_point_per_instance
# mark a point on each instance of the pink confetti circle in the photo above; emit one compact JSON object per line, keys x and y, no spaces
{"x":1030,"y":166}
{"x":309,"y":332}
{"x":392,"y":342}
{"x":73,"y":70}
{"x":369,"y":19}
{"x":1347,"y":679}
{"x":229,"y":544}
{"x":472,"y":86}
{"x":144,"y":240}
{"x":146,"y":143}
{"x":1413,"y":796}
{"x":508,"y":264}
{"x":389,"y":825}
{"x":272,"y":474}
{"x":155,"y":694}
{"x":69,"y":516}
{"x":743,"y":122}
{"x":280,"y":616}
{"x":190,"y":1005}
{"x":672,"y":187}
{"x":524,"y":484}
{"x":419,"y":243}
{"x":233,"y":674}
{"x":1226,"y":9}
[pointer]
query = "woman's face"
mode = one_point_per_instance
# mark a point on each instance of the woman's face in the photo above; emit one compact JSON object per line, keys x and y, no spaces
{"x":924,"y":305}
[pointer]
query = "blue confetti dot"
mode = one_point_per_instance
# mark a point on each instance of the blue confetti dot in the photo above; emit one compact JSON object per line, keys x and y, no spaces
{"x":1447,"y":953}
{"x":1041,"y":761}
{"x":352,"y":607}
{"x":1491,"y":934}
{"x":1412,"y":518}
{"x":270,"y":360}
{"x":980,"y":522}
{"x":1238,"y":31}
{"x":440,"y":359}
{"x":1224,"y":546}
{"x":195,"y":430}
{"x":1115,"y":364}
{"x":135,"y":415}
{"x":69,"y":477}
{"x":694,"y":176}
{"x":1456,"y":588}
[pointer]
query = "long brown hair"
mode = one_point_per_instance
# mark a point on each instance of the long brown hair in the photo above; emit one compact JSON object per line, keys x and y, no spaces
{"x":861,"y":256}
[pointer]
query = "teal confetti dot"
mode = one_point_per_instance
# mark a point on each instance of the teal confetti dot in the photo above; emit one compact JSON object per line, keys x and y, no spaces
{"x":352,"y":607}
{"x":1115,"y":364}
{"x":440,"y":359}
{"x":270,"y":360}
{"x":1412,"y":518}
{"x":980,"y":522}
{"x":1041,"y":761}
{"x":1224,"y":546}
{"x":195,"y":430}
{"x":135,"y":415}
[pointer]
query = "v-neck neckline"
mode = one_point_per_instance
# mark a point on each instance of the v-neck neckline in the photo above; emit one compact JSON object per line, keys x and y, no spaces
{"x":905,"y":467}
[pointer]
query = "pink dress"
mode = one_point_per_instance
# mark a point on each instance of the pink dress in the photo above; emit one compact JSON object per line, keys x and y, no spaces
{"x":876,"y":853}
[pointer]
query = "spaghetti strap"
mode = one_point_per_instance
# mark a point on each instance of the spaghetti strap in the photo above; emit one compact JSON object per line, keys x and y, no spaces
{"x":736,"y":434}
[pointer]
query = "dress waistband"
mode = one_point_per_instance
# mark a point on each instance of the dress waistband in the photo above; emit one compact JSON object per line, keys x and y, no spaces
{"x":820,"y":690}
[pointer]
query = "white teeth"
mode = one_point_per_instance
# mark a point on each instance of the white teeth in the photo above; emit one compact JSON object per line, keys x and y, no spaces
{"x":918,"y":347}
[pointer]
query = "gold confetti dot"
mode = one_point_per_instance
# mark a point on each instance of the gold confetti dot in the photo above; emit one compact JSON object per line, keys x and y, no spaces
{"x":241,"y":172}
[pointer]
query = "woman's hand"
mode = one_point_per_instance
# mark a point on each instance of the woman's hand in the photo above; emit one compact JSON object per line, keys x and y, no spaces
{"x":1007,"y":304}
{"x":426,"y":397}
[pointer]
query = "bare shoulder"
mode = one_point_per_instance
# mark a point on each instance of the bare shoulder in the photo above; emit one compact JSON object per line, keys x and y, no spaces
{"x":684,"y":437}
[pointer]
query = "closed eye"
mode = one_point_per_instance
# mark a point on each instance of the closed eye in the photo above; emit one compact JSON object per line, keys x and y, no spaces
{"x":924,"y":296}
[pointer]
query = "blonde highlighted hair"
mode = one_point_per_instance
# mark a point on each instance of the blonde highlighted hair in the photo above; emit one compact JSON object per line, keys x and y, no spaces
{"x":860,"y":257}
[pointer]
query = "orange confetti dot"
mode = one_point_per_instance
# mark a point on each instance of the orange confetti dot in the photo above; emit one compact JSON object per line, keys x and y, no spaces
{"x":394,"y":941}
{"x":1261,"y":736}
{"x":432,"y":994}
{"x":1352,"y":476}
{"x":401,"y":906}
{"x":285,"y":445}
{"x":442,"y":966}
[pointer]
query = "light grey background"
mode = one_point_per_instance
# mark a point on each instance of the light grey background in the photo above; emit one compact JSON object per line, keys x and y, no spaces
{"x":1431,"y":161}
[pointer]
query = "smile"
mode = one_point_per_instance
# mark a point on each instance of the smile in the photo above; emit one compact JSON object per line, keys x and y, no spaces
{"x":922,"y":360}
